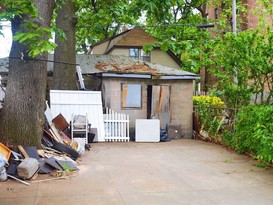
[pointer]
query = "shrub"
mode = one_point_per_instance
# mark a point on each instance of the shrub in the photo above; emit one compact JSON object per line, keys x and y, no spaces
{"x":209,"y":109}
{"x":254,"y":132}
{"x":211,"y":101}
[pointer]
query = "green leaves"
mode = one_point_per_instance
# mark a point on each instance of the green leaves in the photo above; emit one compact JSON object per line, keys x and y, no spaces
{"x":33,"y":38}
{"x":254,"y":132}
{"x":32,"y":33}
{"x":11,"y":8}
{"x":98,"y":20}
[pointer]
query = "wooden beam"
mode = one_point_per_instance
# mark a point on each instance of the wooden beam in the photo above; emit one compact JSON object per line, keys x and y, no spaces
{"x":23,"y":152}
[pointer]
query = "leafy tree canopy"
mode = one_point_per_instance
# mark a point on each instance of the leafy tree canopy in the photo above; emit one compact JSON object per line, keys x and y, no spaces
{"x":32,"y":31}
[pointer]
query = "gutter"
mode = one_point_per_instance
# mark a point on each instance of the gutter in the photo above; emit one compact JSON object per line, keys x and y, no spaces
{"x":178,"y":77}
{"x":148,"y":76}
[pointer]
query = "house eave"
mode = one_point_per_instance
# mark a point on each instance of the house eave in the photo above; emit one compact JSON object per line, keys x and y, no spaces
{"x":148,"y":76}
{"x":178,"y":77}
{"x":125,"y":75}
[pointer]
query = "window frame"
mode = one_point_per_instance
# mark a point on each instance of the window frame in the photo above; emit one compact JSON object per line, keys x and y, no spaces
{"x":141,"y":54}
{"x":124,"y":103}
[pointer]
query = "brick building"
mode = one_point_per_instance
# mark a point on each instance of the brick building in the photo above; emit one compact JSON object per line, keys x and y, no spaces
{"x":245,"y":21}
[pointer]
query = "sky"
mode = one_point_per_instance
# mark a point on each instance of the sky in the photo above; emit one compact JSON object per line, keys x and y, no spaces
{"x":6,"y":40}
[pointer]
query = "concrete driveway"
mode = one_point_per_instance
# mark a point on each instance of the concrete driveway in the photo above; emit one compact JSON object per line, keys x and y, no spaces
{"x":167,"y":173}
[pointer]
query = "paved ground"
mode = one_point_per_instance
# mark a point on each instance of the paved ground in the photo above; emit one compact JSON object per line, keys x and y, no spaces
{"x":170,"y":173}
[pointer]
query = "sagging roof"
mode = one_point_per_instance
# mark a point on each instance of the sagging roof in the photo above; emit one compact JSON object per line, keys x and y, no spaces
{"x":119,"y":66}
{"x":116,"y":66}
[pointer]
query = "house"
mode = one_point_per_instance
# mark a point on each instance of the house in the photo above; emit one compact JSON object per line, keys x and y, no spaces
{"x":130,"y":43}
{"x":142,"y":90}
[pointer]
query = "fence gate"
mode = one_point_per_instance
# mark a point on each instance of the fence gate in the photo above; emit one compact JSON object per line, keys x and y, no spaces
{"x":116,"y":126}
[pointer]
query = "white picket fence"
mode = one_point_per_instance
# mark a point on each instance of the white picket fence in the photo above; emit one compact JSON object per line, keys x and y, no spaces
{"x":116,"y":126}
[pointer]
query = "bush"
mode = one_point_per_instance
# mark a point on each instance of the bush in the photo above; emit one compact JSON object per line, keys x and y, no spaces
{"x":209,"y":110}
{"x":211,"y":101}
{"x":254,"y":132}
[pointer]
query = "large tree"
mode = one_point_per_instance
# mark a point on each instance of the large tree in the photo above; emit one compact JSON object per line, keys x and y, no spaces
{"x":22,"y":118}
{"x":64,"y":72}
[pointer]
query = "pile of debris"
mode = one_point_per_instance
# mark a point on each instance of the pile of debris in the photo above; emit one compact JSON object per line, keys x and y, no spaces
{"x":57,"y":158}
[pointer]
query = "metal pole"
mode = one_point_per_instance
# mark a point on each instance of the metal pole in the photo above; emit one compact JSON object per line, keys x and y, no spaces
{"x":234,"y":21}
{"x":234,"y":29}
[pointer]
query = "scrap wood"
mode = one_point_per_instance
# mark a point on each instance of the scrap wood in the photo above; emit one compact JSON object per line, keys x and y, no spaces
{"x":50,"y":135}
{"x":23,"y":152}
{"x":41,"y":152}
{"x":19,"y":180}
{"x":49,"y":149}
{"x":159,"y":106}
{"x":221,"y":122}
{"x":56,"y":132}
{"x":54,"y":136}
{"x":52,"y":179}
{"x":60,"y":122}
{"x":64,"y":136}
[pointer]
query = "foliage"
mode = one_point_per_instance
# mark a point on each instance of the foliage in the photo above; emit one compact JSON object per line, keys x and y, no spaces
{"x":254,"y":132}
{"x":98,"y":20}
{"x":209,"y":110}
{"x":243,"y":65}
{"x":32,"y":34}
{"x":208,"y":101}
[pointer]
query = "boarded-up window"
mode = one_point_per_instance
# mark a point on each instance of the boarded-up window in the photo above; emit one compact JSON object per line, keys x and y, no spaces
{"x":131,"y":95}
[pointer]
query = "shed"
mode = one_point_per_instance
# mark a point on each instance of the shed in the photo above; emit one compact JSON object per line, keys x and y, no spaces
{"x":142,"y":90}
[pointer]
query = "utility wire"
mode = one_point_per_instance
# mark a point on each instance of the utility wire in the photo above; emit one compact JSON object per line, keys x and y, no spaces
{"x":37,"y":59}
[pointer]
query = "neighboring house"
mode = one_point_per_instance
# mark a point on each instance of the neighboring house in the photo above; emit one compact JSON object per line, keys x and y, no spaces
{"x":249,"y":20}
{"x":130,"y":43}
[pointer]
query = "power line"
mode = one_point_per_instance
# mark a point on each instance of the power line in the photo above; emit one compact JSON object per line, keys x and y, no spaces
{"x":164,"y":25}
{"x":43,"y":60}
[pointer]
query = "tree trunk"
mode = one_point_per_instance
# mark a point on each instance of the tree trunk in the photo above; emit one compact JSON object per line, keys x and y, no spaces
{"x":22,"y":117}
{"x":64,"y":74}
